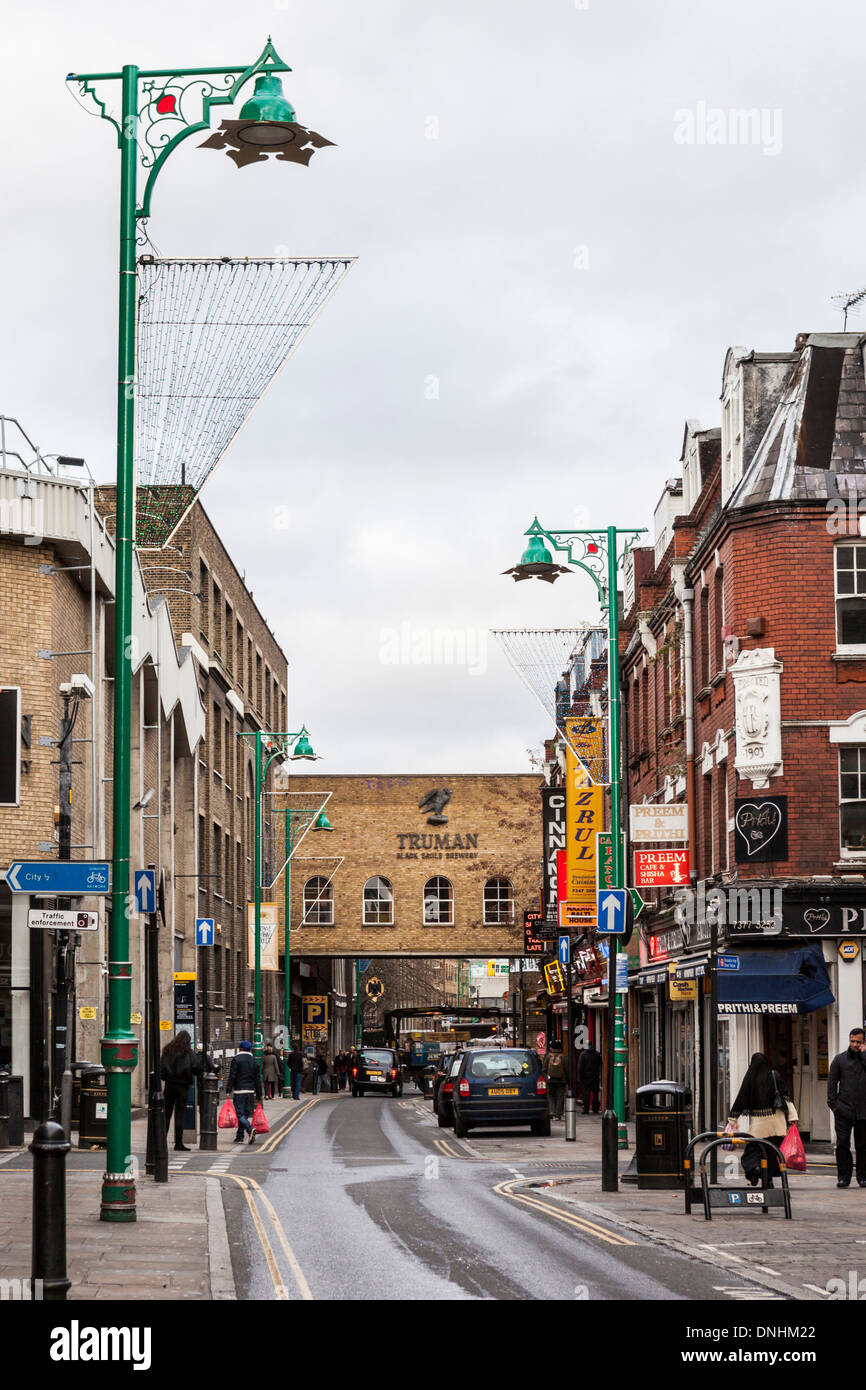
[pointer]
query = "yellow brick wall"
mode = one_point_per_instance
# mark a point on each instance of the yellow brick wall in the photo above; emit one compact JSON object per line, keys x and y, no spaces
{"x":369,"y":814}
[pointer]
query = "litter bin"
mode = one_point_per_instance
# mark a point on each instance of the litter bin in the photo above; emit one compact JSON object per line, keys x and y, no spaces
{"x":11,"y":1111}
{"x":663,"y":1118}
{"x":93,"y":1107}
{"x":77,"y":1068}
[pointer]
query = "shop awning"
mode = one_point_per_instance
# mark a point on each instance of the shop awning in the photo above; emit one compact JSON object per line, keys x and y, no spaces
{"x":793,"y":981}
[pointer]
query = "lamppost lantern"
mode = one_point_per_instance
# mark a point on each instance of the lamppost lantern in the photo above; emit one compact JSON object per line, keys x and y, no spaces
{"x":303,"y":750}
{"x":267,"y":125}
{"x":537,"y":562}
{"x":323,"y":823}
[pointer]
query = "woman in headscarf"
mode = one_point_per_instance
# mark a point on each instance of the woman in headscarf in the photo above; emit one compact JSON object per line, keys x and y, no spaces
{"x":763,"y":1100}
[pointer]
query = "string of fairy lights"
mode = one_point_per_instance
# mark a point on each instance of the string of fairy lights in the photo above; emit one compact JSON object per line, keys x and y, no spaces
{"x":565,"y":668}
{"x":212,"y":337}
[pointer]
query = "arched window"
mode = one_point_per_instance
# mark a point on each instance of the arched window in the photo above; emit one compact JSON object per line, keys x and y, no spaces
{"x":438,"y":902}
{"x":378,"y":903}
{"x":498,"y":902}
{"x":318,"y":902}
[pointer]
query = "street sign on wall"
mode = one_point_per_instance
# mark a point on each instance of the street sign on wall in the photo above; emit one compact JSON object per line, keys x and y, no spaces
{"x":57,"y":920}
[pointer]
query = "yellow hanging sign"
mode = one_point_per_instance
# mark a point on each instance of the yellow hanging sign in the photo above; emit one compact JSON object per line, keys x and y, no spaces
{"x":584,"y":818}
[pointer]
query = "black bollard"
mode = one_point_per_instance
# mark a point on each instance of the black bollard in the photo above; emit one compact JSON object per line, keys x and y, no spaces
{"x":48,"y":1266}
{"x":208,"y":1104}
{"x":156,"y":1119}
{"x":609,"y":1152}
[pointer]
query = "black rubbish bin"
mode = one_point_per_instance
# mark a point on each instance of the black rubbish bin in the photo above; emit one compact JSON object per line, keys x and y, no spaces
{"x":93,"y":1107}
{"x":11,"y":1111}
{"x":77,"y":1068}
{"x":663,"y":1120}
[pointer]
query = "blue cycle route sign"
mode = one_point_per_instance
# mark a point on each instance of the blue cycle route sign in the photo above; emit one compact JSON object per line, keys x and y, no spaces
{"x":65,"y":877}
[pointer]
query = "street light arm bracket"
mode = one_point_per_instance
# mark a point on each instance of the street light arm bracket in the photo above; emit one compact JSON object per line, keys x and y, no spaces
{"x":587,"y":550}
{"x":173,"y":104}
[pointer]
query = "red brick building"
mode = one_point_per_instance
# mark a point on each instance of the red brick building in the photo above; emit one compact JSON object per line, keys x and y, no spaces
{"x":744,"y":695}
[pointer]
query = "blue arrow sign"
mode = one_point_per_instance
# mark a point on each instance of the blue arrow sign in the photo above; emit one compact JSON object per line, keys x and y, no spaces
{"x":144,"y":882}
{"x":564,"y":950}
{"x":204,"y":931}
{"x":73,"y":879}
{"x":729,"y":962}
{"x":611,"y":909}
{"x":365,"y":963}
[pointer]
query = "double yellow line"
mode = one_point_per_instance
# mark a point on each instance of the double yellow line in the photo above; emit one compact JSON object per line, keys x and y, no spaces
{"x":278,"y":1135}
{"x":251,"y":1191}
{"x":578,"y":1223}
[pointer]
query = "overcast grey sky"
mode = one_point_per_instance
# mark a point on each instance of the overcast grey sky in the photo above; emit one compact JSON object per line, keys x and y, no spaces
{"x":560,"y":259}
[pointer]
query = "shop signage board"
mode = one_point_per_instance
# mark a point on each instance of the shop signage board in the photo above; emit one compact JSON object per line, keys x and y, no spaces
{"x":554,"y":832}
{"x":584,"y":814}
{"x":660,"y":824}
{"x":534,"y":943}
{"x":661,"y":868}
{"x":728,"y":962}
{"x":761,"y":829}
{"x":554,"y":978}
{"x":849,"y":950}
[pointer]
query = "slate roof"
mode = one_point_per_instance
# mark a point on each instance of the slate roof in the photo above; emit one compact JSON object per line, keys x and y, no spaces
{"x":814,"y":448}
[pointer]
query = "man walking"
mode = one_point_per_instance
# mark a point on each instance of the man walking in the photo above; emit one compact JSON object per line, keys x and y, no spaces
{"x":846,"y":1097}
{"x":589,"y":1075}
{"x":245,"y":1088}
{"x":553,"y":1067}
{"x":321,"y":1065}
{"x":296,"y":1070}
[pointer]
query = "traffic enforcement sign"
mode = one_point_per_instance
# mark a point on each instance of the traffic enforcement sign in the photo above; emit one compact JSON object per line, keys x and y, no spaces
{"x":144,"y":881}
{"x":55,"y":920}
{"x":613,"y":911}
{"x":204,"y":931}
{"x":564,"y":950}
{"x":66,"y":877}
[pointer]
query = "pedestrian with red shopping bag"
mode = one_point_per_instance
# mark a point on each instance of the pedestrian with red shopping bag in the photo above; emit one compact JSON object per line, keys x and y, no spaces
{"x":762,"y":1098}
{"x":245,"y":1088}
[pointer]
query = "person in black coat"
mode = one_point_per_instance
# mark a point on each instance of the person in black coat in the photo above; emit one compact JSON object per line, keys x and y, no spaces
{"x":762,"y":1097}
{"x":245,"y":1088}
{"x":589,"y":1076}
{"x":176,"y":1070}
{"x":295,"y":1060}
{"x":846,"y":1097}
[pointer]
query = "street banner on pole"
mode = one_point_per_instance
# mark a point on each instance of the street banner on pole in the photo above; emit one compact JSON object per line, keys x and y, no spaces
{"x":584,"y":819}
{"x":270,"y":944}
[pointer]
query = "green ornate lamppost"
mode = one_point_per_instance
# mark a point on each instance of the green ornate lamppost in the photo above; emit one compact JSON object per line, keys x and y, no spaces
{"x":159,"y":110}
{"x":599,"y":554}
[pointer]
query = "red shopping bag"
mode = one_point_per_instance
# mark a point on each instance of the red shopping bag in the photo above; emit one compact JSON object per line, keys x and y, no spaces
{"x":260,"y":1124}
{"x":228,"y":1118}
{"x":791,"y":1149}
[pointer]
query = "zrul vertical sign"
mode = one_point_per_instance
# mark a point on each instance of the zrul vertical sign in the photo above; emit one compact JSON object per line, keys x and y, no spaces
{"x":584,"y":817}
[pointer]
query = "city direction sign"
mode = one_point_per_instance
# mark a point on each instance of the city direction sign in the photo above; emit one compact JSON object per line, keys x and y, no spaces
{"x":63,"y":921}
{"x":64,"y":877}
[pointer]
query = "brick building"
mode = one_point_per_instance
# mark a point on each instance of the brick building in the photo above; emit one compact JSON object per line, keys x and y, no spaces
{"x":56,"y":582}
{"x":744,"y":695}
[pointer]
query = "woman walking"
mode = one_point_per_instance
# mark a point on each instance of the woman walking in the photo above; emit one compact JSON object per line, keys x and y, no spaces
{"x":271,"y":1073}
{"x":176,"y":1072}
{"x":764,"y":1100}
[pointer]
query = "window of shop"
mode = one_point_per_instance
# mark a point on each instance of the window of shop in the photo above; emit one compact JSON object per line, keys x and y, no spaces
{"x":852,"y":799}
{"x":318,"y":902}
{"x":680,"y":1050}
{"x":648,"y":1043}
{"x":378,"y":903}
{"x":438,"y":902}
{"x":851,"y":597}
{"x":498,"y":902}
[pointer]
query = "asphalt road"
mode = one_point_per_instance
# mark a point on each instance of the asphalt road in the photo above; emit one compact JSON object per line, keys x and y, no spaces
{"x":362,"y":1199}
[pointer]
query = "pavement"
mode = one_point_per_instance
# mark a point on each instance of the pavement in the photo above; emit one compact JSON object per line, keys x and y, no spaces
{"x":180,"y":1246}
